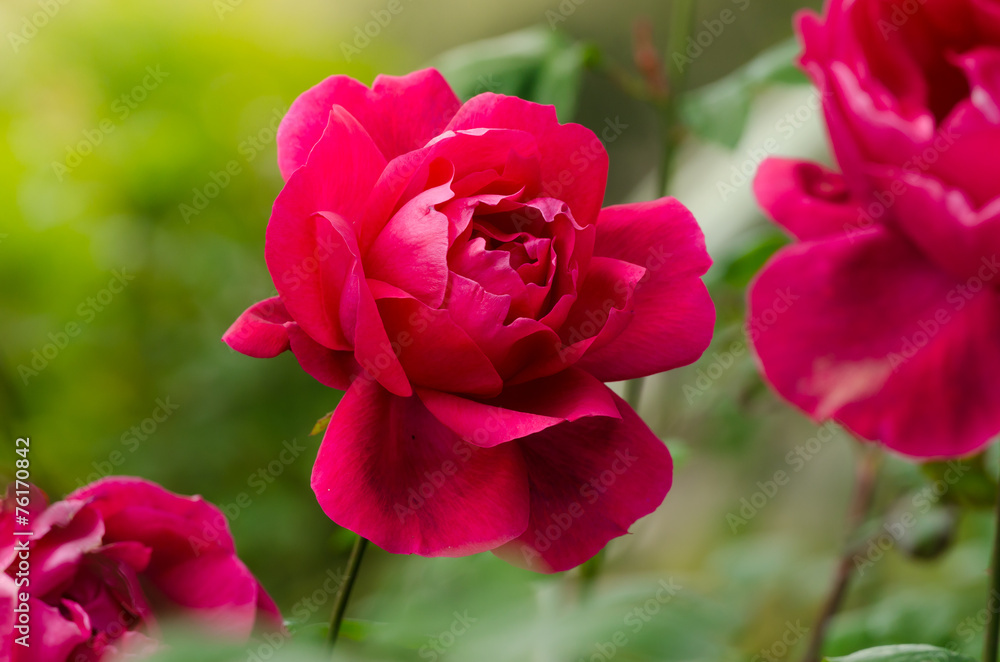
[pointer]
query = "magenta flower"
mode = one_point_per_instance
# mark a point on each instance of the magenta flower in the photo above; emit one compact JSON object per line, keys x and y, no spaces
{"x":108,"y":562}
{"x":451,"y":268}
{"x":895,"y":326}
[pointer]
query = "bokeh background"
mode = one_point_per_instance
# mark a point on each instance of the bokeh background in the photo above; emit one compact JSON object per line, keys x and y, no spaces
{"x":138,"y":155}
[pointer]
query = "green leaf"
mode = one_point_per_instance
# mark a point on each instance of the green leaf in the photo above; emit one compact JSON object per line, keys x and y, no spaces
{"x":321,"y":425}
{"x":968,"y":482}
{"x":536,"y":64}
{"x":903,"y":653}
{"x":719,"y":111}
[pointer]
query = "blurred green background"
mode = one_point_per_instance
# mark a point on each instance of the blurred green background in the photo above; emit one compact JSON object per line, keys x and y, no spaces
{"x":115,"y":115}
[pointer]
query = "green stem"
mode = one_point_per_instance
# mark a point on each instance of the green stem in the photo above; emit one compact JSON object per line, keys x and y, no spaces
{"x":344,"y":592}
{"x":861,"y":502}
{"x":992,"y":646}
{"x":681,"y":23}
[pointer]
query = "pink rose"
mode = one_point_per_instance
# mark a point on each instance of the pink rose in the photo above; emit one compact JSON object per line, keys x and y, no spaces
{"x":451,"y":268}
{"x":111,"y":559}
{"x":895,"y":326}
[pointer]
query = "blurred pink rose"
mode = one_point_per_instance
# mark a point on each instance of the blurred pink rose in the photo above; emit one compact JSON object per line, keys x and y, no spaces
{"x":895,"y":326}
{"x":450,"y":266}
{"x":109,"y":561}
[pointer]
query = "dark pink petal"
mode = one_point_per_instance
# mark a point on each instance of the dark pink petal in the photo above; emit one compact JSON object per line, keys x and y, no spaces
{"x":511,"y":347}
{"x":57,"y":555}
{"x":522,"y":410}
{"x":8,"y":600}
{"x":217,"y":590}
{"x":411,"y":252}
{"x":401,"y":113}
{"x":174,"y":527}
{"x":261,"y":330}
{"x":325,"y":289}
{"x":435,"y":352}
{"x":333,"y":368}
{"x":451,"y":156}
{"x":591,"y":479}
{"x":806,"y":199}
{"x":943,"y":222}
{"x":672,"y":315}
{"x":53,"y":636}
{"x":268,"y":615}
{"x":311,"y":247}
{"x":574,"y":163}
{"x":389,"y":471}
{"x":866,"y":331}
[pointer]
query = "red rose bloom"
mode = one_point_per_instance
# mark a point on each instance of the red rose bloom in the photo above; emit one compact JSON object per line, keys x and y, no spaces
{"x":111,"y":560}
{"x":895,"y":329}
{"x":451,"y":268}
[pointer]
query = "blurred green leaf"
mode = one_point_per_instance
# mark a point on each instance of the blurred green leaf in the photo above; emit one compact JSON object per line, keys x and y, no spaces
{"x":903,"y":653}
{"x":536,"y":64}
{"x":718,"y":112}
{"x":741,"y":269}
{"x":968,"y":482}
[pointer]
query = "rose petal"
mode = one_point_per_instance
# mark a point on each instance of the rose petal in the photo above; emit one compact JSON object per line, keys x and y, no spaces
{"x":400,"y":113}
{"x":591,"y":480}
{"x":672,"y":316}
{"x":522,"y":410}
{"x":807,"y":199}
{"x":876,"y":337}
{"x":389,"y":471}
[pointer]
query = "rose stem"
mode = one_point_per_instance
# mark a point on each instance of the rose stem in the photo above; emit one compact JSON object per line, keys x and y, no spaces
{"x":344,"y":591}
{"x":861,"y":502}
{"x":992,"y":646}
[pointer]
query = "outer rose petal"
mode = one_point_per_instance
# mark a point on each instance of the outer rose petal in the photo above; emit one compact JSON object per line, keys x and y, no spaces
{"x":522,"y":410}
{"x":266,"y":329}
{"x":401,"y":113}
{"x":591,"y":479}
{"x":309,"y":253}
{"x":218,"y":588}
{"x":881,"y":340}
{"x":389,"y":471}
{"x":260,"y":331}
{"x":672,"y":314}
{"x":805,"y":198}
